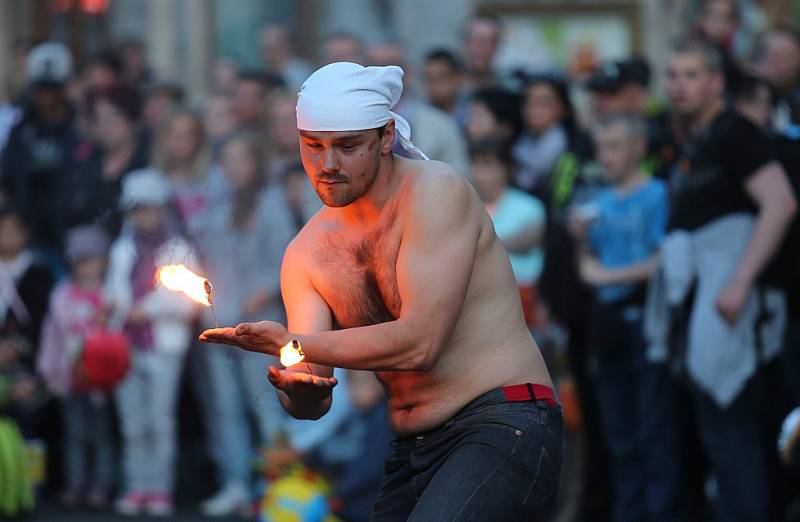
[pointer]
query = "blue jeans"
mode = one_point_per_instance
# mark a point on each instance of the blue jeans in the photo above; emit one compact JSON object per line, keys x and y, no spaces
{"x":636,"y":401}
{"x":87,"y":438}
{"x":733,"y":441}
{"x":494,"y":460}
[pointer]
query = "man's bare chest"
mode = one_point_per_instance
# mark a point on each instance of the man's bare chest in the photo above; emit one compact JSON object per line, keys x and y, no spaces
{"x":357,"y":276}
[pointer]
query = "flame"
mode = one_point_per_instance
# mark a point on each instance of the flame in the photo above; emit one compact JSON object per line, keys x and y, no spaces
{"x":181,"y":279}
{"x":291,"y":353}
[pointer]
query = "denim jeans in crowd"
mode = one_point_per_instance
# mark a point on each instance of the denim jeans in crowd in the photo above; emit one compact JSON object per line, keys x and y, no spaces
{"x":733,"y":441}
{"x":87,"y":438}
{"x":494,"y":460}
{"x":638,"y":415}
{"x":146,"y":404}
{"x":239,"y":384}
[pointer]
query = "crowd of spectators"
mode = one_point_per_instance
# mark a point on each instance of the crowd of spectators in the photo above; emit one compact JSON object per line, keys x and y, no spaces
{"x":655,"y":243}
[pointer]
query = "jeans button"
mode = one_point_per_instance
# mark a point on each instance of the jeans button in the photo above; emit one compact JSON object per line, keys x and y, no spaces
{"x":518,"y":432}
{"x":420,"y":437}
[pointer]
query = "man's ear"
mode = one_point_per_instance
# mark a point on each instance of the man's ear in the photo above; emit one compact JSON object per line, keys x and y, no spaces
{"x":387,"y":140}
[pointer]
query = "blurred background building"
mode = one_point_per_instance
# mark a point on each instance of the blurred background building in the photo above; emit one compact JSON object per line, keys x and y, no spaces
{"x":182,"y":38}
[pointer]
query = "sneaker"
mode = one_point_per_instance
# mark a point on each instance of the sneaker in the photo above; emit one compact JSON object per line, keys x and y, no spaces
{"x":131,"y":503}
{"x":233,"y":498}
{"x":159,"y":504}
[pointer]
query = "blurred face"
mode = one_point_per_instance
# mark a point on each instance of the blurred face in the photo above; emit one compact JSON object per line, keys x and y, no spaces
{"x":224,"y":75}
{"x":781,"y":61}
{"x":607,"y":102}
{"x":482,"y":122}
{"x":630,"y":98}
{"x":718,"y":20}
{"x":442,"y":83}
{"x":133,"y":60}
{"x":156,"y":108}
{"x":89,"y":268}
{"x":182,"y":140}
{"x":100,"y":76}
{"x":342,"y":166}
{"x":249,"y":102}
{"x":274,"y":46}
{"x":239,"y":164}
{"x":13,"y":237}
{"x":283,"y":125}
{"x":542,"y":108}
{"x":691,"y":87}
{"x":148,"y":218}
{"x":758,"y":109}
{"x":490,"y":177}
{"x":480,"y":45}
{"x":386,"y":54}
{"x":219,"y":120}
{"x":48,"y":99}
{"x":111,"y":128}
{"x":342,"y":50}
{"x":618,"y":152}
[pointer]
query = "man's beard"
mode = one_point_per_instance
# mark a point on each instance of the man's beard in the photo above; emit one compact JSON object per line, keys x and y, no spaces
{"x":349,"y":191}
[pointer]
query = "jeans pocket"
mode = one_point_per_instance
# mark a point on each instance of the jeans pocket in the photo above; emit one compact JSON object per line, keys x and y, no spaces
{"x":542,"y":492}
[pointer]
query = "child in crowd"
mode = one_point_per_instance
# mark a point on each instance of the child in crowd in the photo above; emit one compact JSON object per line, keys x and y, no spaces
{"x":621,"y":232}
{"x":76,"y":307}
{"x":254,"y":221}
{"x":519,"y":218}
{"x":156,"y":322}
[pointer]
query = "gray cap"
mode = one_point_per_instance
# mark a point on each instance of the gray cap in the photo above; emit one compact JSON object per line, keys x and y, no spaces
{"x":50,"y":62}
{"x":86,"y":241}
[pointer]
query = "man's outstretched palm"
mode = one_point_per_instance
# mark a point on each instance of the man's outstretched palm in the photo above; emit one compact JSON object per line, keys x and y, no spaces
{"x":264,"y":337}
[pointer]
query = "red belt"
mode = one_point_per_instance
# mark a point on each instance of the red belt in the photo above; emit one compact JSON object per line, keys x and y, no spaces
{"x":529,"y":392}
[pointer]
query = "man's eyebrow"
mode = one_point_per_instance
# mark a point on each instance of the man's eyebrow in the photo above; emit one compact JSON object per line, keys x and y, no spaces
{"x":349,"y":137}
{"x":337,"y":139}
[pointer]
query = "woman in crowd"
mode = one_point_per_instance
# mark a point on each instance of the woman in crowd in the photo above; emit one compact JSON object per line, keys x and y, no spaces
{"x":117,"y":149}
{"x":181,"y":154}
{"x":254,"y":221}
{"x":549,"y":141}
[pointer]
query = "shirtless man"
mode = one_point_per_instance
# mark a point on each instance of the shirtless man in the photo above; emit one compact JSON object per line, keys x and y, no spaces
{"x":401,"y":273}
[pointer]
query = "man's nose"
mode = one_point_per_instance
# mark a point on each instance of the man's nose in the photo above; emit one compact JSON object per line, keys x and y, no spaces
{"x":330,"y":162}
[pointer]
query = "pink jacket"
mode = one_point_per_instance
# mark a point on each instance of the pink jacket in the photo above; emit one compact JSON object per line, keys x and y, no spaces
{"x":72,"y":311}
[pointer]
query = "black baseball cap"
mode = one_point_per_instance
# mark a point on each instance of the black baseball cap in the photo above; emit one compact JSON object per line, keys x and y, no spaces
{"x":613,"y":76}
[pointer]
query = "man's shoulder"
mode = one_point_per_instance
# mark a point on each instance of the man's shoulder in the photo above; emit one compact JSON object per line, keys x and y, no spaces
{"x":307,"y":237}
{"x":437,"y":191}
{"x":432,"y":175}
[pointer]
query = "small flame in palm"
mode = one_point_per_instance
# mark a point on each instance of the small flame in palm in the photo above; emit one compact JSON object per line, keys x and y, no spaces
{"x":291,"y":354}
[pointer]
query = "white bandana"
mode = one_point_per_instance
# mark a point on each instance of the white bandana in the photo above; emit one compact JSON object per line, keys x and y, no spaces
{"x":345,"y":96}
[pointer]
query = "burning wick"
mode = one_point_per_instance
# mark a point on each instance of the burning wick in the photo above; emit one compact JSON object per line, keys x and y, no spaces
{"x":292,"y":353}
{"x":180,"y":279}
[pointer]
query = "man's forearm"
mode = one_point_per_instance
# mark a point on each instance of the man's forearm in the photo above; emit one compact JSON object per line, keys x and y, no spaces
{"x":391,"y":346}
{"x":767,"y":235}
{"x":594,"y":273}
